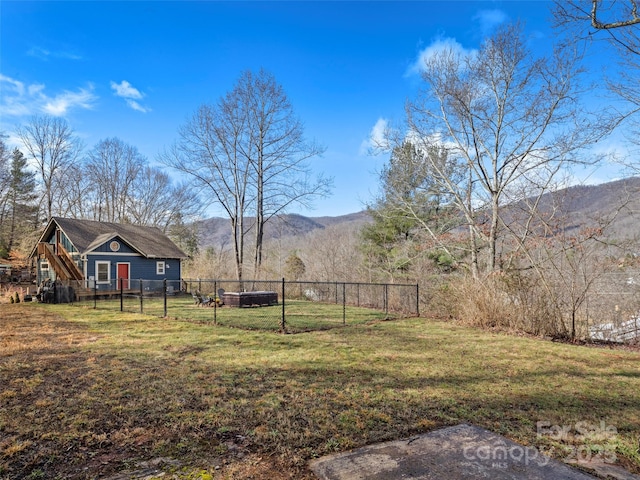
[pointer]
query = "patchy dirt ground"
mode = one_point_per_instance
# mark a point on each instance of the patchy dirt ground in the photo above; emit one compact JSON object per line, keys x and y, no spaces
{"x":58,"y":420}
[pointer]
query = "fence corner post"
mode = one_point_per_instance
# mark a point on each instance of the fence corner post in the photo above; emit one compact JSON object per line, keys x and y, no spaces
{"x":121,"y":294}
{"x":417,"y":299}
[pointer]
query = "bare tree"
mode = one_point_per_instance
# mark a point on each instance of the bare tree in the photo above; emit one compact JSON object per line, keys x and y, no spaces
{"x":616,"y":23}
{"x":280,"y":173}
{"x":211,"y":150}
{"x":76,"y":195}
{"x":124,"y":188}
{"x":52,"y":145}
{"x":570,"y":255}
{"x":615,"y":19}
{"x":332,"y":253}
{"x":158,"y":202}
{"x":511,"y":119}
{"x":114,"y":166}
{"x":212,"y":263}
{"x":248,"y":152}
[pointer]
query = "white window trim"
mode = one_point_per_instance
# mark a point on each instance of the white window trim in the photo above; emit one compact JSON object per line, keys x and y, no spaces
{"x":161,"y":268}
{"x":108,"y":280}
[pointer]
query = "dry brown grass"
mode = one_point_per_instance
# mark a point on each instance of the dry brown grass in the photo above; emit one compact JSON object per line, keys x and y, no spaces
{"x":68,"y":412}
{"x":510,"y":303}
{"x":86,"y":394}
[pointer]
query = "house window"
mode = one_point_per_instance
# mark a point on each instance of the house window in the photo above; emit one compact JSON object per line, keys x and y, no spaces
{"x":44,"y":266}
{"x":160,"y":268}
{"x":103,"y":272}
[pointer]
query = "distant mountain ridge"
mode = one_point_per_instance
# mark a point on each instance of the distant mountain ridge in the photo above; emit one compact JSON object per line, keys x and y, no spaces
{"x":587,"y":205}
{"x":578,"y":205}
{"x":216,"y":231}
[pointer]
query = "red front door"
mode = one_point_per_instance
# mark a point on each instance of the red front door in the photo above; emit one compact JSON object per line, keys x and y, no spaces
{"x":123,"y":273}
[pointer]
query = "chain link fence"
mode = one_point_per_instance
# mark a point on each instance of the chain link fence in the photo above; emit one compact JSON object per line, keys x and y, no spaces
{"x":276,"y":305}
{"x":612,"y":307}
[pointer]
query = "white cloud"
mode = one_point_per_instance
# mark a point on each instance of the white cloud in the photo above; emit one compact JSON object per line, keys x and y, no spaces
{"x":377,"y":139}
{"x":60,"y":104}
{"x":136,"y":106}
{"x":36,"y":89}
{"x":45,"y":54}
{"x":489,"y":20}
{"x":19,"y":99}
{"x":438,"y":46}
{"x":130,"y":94}
{"x":13,"y":85}
{"x":125,"y":90}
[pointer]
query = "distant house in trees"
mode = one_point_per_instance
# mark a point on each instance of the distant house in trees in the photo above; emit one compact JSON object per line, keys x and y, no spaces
{"x":99,"y":254}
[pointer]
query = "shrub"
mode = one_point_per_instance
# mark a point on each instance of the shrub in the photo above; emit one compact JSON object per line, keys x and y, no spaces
{"x":506,"y":301}
{"x":539,"y":311}
{"x":17,"y":298}
{"x":483,"y":303}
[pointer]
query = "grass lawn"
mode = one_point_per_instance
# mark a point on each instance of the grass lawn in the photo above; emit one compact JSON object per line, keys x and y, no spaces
{"x":86,"y":393}
{"x":300,"y":315}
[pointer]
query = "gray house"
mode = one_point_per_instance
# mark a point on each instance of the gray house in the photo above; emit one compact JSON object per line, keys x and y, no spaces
{"x":99,"y":254}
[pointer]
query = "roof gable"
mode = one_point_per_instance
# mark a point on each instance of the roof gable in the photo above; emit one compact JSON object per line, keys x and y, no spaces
{"x":87,"y":235}
{"x":105,"y":243}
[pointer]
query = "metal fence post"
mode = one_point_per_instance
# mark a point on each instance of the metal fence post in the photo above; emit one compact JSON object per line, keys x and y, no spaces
{"x":164,"y":292}
{"x":95,"y":294}
{"x":386,"y":299}
{"x":215,"y":302}
{"x":121,"y":295}
{"x":417,"y":299}
{"x":141,"y":308}
{"x":344,"y":304}
{"x":283,"y":325}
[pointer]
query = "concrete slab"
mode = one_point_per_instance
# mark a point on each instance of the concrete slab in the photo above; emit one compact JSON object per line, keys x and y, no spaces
{"x":454,"y":453}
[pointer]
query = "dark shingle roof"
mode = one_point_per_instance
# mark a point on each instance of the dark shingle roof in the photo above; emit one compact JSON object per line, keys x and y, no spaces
{"x":88,"y":234}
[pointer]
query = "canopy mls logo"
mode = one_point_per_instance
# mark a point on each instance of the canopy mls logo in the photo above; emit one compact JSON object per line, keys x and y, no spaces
{"x":581,"y":442}
{"x":499,"y":455}
{"x":580,"y":431}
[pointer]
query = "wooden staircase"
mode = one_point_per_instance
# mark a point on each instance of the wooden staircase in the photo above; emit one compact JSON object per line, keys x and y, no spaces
{"x":62,"y":263}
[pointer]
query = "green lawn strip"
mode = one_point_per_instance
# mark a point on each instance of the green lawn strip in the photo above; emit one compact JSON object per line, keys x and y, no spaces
{"x":148,"y":386}
{"x":301,"y":315}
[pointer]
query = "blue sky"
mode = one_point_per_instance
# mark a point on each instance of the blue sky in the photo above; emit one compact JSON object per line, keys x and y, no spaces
{"x":136,"y":70}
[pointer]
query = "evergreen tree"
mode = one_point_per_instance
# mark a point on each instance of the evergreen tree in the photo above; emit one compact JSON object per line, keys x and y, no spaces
{"x":413,"y":214}
{"x":5,"y":177}
{"x":21,"y":211}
